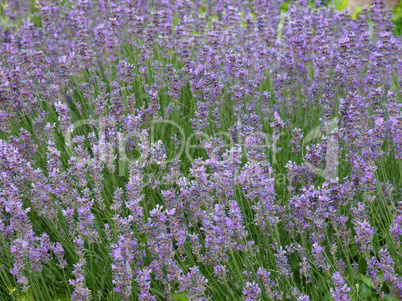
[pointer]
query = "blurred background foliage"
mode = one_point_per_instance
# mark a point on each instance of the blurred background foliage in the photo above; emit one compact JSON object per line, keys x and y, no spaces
{"x":339,"y":5}
{"x":398,"y":19}
{"x":343,"y":4}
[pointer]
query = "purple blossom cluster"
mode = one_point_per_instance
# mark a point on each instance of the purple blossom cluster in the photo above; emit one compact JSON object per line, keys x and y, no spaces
{"x":220,"y":99}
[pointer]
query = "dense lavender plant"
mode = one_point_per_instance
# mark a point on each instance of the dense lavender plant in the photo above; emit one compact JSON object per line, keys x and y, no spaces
{"x":204,"y":150}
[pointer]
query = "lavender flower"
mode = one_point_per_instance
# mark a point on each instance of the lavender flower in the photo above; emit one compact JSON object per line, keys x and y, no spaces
{"x":282,"y":262}
{"x":195,"y":283}
{"x":80,"y":291}
{"x":251,"y":292}
{"x":341,"y":289}
{"x":144,"y":282}
{"x":364,"y":235}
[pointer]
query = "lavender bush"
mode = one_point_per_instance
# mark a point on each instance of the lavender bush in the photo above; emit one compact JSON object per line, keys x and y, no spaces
{"x":204,"y":150}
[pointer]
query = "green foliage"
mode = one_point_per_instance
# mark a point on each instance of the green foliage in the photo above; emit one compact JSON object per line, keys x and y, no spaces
{"x":398,"y":19}
{"x":19,"y":296}
{"x":180,"y":297}
{"x":356,"y":12}
{"x":340,"y":4}
{"x":284,"y":6}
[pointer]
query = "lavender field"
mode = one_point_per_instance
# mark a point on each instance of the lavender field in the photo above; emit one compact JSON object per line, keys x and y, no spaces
{"x":199,"y":150}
